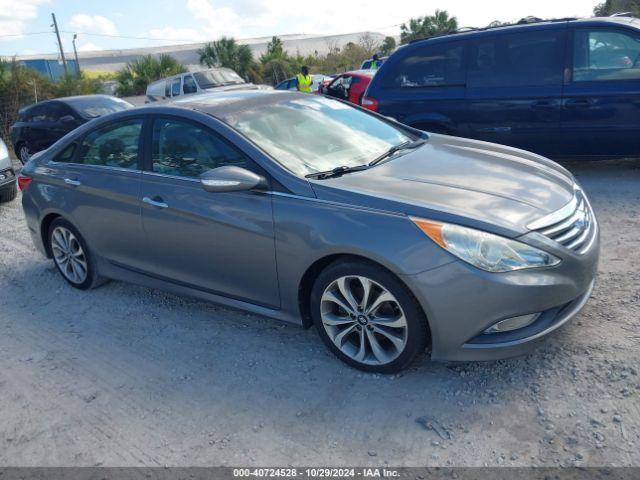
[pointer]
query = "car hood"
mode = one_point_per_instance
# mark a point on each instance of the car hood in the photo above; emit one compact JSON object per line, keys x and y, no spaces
{"x":479,"y":184}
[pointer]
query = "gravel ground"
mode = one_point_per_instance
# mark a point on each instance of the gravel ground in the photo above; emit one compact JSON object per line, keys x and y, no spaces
{"x":125,"y":375}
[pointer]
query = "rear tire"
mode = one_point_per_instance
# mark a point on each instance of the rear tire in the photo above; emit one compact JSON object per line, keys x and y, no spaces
{"x":71,"y":256}
{"x":367,"y":317}
{"x":23,"y":153}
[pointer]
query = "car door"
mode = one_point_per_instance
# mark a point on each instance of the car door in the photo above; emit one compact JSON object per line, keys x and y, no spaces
{"x":99,"y":177}
{"x":38,"y":132}
{"x":221,"y":243}
{"x":601,"y":114}
{"x":514,"y":88}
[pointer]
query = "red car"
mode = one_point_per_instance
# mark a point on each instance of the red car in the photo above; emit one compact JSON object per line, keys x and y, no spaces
{"x":349,"y":86}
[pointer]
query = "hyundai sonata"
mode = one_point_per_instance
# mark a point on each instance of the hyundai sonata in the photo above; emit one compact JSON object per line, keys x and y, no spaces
{"x":390,"y":240}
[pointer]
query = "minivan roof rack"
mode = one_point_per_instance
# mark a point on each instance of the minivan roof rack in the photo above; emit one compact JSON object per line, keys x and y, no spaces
{"x":623,"y":14}
{"x":523,"y":21}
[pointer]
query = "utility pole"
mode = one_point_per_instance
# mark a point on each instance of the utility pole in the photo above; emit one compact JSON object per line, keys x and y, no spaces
{"x":75,"y":53}
{"x":55,"y":26}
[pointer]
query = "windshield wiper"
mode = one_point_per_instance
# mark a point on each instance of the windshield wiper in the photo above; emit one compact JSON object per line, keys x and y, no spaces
{"x":336,"y":172}
{"x":396,"y":148}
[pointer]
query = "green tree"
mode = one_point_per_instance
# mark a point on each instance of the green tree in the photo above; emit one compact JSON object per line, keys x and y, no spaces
{"x":388,"y":45}
{"x":134,"y":77}
{"x":275,"y":50}
{"x":422,"y":27}
{"x":609,"y":7}
{"x":227,"y":53}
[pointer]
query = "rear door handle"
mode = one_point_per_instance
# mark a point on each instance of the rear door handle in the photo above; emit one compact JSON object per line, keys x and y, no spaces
{"x":155,"y":201}
{"x":71,"y":181}
{"x":578,"y":103}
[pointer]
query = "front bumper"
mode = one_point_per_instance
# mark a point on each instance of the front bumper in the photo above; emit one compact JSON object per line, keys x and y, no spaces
{"x":461,"y":302}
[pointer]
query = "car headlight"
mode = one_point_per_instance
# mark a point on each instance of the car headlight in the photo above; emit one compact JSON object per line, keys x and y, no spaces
{"x":486,"y":251}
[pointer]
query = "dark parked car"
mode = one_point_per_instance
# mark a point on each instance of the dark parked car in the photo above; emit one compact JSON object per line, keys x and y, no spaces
{"x":8,"y":190}
{"x":42,"y":124}
{"x":292,"y":83}
{"x":309,"y":210}
{"x":557,"y":88}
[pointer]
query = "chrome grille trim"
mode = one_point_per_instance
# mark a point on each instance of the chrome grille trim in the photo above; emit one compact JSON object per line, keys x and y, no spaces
{"x":573,"y":226}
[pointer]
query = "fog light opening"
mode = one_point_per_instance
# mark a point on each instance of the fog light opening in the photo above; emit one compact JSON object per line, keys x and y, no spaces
{"x":513,"y":323}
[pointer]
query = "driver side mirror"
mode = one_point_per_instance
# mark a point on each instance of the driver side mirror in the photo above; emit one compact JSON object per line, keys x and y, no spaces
{"x":231,"y":179}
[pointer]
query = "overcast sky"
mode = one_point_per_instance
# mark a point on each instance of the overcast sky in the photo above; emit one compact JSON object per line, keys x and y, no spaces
{"x":161,"y":22}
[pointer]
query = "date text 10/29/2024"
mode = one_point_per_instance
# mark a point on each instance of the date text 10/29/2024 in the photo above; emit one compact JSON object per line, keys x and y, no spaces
{"x":319,"y":472}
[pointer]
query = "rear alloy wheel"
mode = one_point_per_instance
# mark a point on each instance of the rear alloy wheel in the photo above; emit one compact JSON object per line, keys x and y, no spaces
{"x":23,"y":153}
{"x":368,"y":318}
{"x":71,"y":255}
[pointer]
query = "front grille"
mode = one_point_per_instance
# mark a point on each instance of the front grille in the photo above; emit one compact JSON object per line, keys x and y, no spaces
{"x":573,"y":226}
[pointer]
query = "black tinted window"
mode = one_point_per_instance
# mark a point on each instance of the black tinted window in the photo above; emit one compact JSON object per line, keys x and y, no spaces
{"x":432,"y":65}
{"x":518,"y":59}
{"x":189,"y":85}
{"x":167,"y":88}
{"x":115,"y":145}
{"x":187,"y":150}
{"x":601,"y":54}
{"x":92,"y":107}
{"x":67,"y":154}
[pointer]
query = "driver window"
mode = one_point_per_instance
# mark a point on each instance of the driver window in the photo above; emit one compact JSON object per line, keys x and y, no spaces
{"x":115,"y":145}
{"x":601,"y":54}
{"x":186,"y":150}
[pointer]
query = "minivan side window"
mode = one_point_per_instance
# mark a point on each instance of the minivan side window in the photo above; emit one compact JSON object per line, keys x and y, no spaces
{"x":115,"y":145}
{"x":602,"y":54}
{"x":432,"y":65}
{"x":529,"y":58}
{"x":167,"y":88}
{"x":189,"y":85}
{"x":188,"y":150}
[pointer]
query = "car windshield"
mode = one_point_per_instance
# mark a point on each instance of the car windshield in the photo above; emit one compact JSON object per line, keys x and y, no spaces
{"x":217,"y":78}
{"x":316,"y":134}
{"x":92,"y":107}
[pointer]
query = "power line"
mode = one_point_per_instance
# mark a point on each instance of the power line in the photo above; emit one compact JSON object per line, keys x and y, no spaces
{"x":24,"y":34}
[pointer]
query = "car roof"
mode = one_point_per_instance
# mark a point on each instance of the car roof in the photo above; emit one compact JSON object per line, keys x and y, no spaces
{"x":223,"y":104}
{"x":529,"y":23}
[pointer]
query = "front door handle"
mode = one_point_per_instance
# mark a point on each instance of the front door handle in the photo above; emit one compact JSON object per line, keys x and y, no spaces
{"x":71,"y":181}
{"x":155,"y":201}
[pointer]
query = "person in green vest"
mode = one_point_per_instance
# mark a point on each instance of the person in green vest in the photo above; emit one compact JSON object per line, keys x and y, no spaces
{"x":304,"y":80}
{"x":375,"y":63}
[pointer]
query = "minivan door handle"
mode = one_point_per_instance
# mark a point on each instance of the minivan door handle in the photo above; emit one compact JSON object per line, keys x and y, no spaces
{"x":72,"y":182}
{"x":155,"y":201}
{"x":578,"y":103}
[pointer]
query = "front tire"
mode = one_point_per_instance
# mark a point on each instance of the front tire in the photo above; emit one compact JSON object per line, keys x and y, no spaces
{"x":367,"y":317}
{"x":71,"y":255}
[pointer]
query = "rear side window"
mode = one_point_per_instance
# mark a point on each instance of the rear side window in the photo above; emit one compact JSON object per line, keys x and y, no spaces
{"x":189,"y":85}
{"x":432,"y":65}
{"x":188,"y":150}
{"x":115,"y":145}
{"x":530,"y":58}
{"x":600,"y":55}
{"x":175,"y":87}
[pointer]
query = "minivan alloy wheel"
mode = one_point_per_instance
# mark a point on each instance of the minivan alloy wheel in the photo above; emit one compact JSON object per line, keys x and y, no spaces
{"x":364,"y":320}
{"x":69,"y":255}
{"x":23,"y":153}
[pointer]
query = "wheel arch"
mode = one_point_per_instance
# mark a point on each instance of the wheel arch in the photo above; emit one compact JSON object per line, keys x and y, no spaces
{"x":312,"y":272}
{"x":46,"y":222}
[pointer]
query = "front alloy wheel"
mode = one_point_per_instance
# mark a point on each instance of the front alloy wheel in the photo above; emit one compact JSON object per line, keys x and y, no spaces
{"x":364,"y":320}
{"x":368,"y":317}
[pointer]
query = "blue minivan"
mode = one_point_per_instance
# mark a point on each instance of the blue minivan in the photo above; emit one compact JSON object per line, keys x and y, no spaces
{"x":560,"y":88}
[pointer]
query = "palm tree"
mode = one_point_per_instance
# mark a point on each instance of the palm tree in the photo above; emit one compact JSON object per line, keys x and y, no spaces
{"x":227,"y":53}
{"x":422,"y":27}
{"x":136,"y":75}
